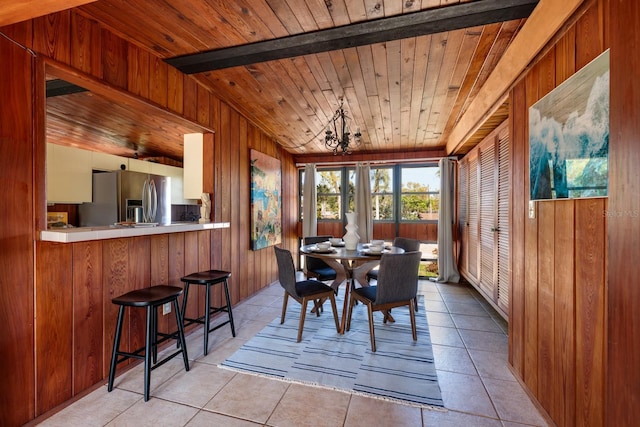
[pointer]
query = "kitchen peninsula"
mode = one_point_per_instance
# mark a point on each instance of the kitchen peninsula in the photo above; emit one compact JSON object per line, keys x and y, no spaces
{"x":83,"y":234}
{"x":74,"y":317}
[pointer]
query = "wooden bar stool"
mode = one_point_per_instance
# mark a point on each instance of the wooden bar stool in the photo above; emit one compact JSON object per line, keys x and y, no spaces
{"x":208,"y":278}
{"x":150,"y":298}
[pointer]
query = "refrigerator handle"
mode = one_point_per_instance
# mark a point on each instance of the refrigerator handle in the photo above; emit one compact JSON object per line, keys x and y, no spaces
{"x":145,"y":201}
{"x":153,"y":200}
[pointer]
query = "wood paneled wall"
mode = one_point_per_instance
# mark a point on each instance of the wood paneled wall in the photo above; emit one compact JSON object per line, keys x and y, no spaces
{"x":74,"y":283}
{"x":427,"y":233}
{"x":559,"y":258}
{"x":74,"y":302}
{"x":623,"y":225}
{"x":17,"y":394}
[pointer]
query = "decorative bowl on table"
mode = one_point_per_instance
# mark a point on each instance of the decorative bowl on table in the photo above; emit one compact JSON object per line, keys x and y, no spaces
{"x":323,"y":246}
{"x":375,"y":249}
{"x":336,"y":241}
{"x":377,"y":243}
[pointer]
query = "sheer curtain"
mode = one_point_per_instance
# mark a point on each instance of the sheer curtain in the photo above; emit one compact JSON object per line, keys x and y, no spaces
{"x":447,"y":267}
{"x":309,"y":219}
{"x":363,"y":202}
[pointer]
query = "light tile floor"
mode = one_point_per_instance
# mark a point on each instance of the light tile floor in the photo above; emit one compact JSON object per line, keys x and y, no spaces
{"x":470,"y":349}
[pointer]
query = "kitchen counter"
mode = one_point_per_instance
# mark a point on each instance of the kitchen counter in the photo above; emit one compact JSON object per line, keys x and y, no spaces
{"x":82,"y":234}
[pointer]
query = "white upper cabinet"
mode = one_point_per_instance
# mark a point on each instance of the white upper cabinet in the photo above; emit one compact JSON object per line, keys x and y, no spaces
{"x":68,"y":174}
{"x":136,"y":165}
{"x":107,"y":162}
{"x":193,"y":162}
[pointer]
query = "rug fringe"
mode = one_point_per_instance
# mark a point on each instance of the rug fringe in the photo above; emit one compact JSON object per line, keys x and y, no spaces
{"x":312,"y":384}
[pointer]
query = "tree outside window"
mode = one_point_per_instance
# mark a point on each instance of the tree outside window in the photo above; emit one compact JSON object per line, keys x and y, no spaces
{"x":420,"y":193}
{"x":329,"y":197}
{"x":415,"y":189}
{"x":382,"y":193}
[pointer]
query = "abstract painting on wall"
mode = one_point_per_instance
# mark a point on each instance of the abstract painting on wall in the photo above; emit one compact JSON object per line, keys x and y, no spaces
{"x":266,"y":222}
{"x":569,"y":136}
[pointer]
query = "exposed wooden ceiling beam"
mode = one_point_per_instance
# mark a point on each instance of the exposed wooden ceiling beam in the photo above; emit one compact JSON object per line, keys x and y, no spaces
{"x":429,"y":21}
{"x":21,"y":10}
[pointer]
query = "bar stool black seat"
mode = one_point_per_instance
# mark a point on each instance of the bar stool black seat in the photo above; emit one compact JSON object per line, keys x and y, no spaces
{"x":208,"y":278}
{"x":150,"y":298}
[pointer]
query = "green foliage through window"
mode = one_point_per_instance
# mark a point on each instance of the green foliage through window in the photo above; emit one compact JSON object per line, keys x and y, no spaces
{"x":420,"y":193}
{"x":399,"y":193}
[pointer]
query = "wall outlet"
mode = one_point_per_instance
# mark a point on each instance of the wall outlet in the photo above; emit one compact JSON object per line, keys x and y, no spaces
{"x":166,"y":308}
{"x":532,"y":209}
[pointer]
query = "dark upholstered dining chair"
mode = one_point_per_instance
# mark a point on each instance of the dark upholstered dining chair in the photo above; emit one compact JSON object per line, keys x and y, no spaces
{"x":302,"y":291}
{"x":409,"y":245}
{"x":315,"y":267}
{"x":397,"y":286}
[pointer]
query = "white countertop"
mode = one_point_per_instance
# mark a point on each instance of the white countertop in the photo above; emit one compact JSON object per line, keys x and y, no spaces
{"x":82,"y":234}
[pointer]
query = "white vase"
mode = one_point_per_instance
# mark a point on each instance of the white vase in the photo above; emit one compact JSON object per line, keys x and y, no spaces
{"x":352,"y":237}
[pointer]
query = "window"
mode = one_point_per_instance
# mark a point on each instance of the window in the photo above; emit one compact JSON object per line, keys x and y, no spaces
{"x":382,"y":194}
{"x":420,"y":193}
{"x":329,"y":194}
{"x":398,"y":193}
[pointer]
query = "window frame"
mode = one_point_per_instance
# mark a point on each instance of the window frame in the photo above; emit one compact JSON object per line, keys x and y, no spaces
{"x":346,"y":195}
{"x":427,"y":193}
{"x":341,"y":194}
{"x":394,"y":200}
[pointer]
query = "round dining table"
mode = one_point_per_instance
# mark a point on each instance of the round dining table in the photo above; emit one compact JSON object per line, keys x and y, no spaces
{"x":351,"y":266}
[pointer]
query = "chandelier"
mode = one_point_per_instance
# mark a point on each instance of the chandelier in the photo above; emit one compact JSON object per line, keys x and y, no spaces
{"x":338,"y":135}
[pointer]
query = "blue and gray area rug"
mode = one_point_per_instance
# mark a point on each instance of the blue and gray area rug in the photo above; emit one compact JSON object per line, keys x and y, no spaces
{"x":400,"y":370}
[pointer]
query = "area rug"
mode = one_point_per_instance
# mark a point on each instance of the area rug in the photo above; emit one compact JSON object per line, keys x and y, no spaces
{"x":401,"y":369}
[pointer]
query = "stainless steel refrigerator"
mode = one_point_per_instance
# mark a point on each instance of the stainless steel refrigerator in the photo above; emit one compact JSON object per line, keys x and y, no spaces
{"x":126,"y":196}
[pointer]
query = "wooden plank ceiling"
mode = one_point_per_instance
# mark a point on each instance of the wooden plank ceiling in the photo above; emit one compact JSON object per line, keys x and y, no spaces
{"x":13,"y":11}
{"x":404,"y":95}
{"x":112,"y":121}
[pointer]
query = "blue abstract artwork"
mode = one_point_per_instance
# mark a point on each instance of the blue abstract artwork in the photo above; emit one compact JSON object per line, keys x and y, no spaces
{"x":569,"y":136}
{"x":266,"y":222}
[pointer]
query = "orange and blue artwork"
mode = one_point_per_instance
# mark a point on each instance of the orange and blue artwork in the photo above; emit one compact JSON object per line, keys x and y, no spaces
{"x":266,"y":217}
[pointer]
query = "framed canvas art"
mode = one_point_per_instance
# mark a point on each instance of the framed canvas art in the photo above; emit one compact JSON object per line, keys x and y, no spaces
{"x":569,"y":136}
{"x":266,"y":222}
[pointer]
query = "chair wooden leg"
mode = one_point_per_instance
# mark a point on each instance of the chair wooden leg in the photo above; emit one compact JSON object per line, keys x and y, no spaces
{"x":371,"y":330}
{"x":316,"y":307}
{"x":412,"y":315}
{"x":335,"y":312}
{"x":347,"y":326}
{"x":303,"y":313}
{"x":284,"y":306}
